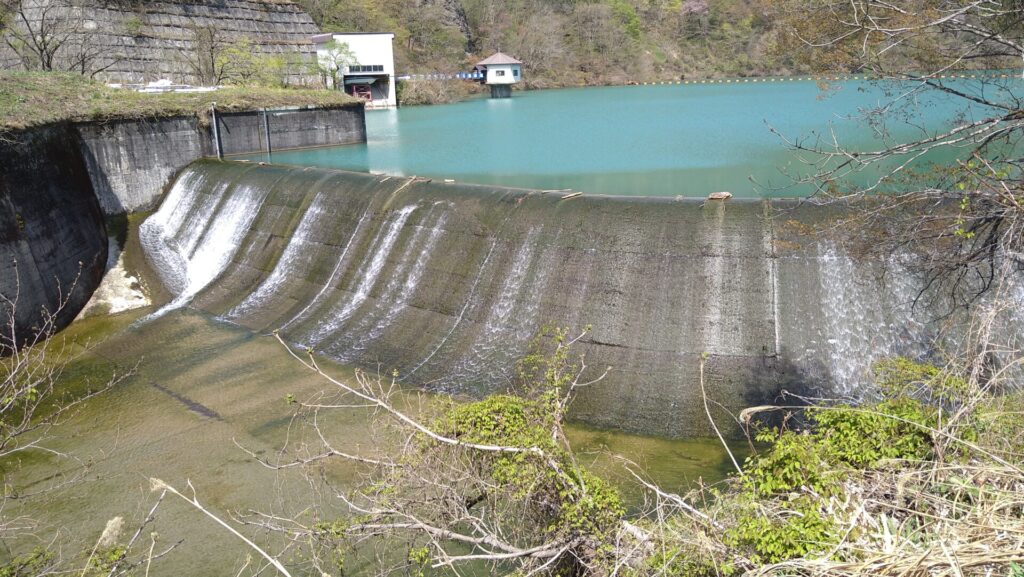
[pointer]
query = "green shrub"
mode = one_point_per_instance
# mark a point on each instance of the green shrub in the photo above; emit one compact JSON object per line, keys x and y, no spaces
{"x":779,"y":513}
{"x":798,"y":529}
{"x":38,"y":562}
{"x":585,"y":503}
{"x":863,"y":437}
{"x":900,"y":377}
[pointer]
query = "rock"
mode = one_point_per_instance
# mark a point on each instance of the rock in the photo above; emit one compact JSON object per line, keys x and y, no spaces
{"x":720,"y":196}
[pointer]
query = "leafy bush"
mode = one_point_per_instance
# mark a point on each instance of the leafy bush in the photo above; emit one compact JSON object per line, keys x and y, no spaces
{"x":781,"y":512}
{"x":37,"y":562}
{"x":863,"y":437}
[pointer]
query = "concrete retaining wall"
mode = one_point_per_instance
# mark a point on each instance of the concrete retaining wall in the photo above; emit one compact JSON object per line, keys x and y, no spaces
{"x":131,"y":162}
{"x":244,"y":133}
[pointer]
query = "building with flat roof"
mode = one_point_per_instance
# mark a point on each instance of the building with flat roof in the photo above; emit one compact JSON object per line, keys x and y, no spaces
{"x":360,"y":63}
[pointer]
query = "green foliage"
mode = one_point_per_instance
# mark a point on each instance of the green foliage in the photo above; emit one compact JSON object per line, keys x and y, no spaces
{"x":779,"y":513}
{"x":862,"y":437}
{"x":795,"y":473}
{"x":627,"y":17}
{"x":331,"y":529}
{"x":419,"y":558}
{"x":333,"y":58}
{"x":500,"y":420}
{"x":803,"y":531}
{"x":103,"y":561}
{"x":537,"y":488}
{"x":133,"y":25}
{"x":548,"y":369}
{"x":244,"y":65}
{"x":585,"y":503}
{"x":680,"y":561}
{"x":36,"y":562}
{"x":902,"y":377}
{"x":794,"y":462}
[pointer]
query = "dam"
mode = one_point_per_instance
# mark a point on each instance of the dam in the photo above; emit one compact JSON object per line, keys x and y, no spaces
{"x":446,"y":284}
{"x":441,"y":283}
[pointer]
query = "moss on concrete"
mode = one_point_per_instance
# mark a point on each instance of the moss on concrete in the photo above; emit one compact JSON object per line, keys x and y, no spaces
{"x":30,"y":99}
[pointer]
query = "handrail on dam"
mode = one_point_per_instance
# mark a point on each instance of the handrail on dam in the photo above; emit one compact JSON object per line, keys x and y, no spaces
{"x":218,"y":144}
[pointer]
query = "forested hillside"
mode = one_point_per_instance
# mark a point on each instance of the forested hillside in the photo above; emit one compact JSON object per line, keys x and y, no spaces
{"x":569,"y":42}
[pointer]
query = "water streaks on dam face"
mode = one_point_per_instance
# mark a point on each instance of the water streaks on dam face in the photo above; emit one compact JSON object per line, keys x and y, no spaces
{"x":446,"y":284}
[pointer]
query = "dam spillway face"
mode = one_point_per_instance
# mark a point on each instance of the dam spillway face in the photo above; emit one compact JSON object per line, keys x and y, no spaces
{"x":446,"y":284}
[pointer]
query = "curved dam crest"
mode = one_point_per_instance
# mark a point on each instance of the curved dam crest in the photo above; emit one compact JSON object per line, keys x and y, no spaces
{"x":446,"y":283}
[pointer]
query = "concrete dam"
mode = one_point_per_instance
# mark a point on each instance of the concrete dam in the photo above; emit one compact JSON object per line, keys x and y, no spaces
{"x":59,"y":182}
{"x":447,"y":283}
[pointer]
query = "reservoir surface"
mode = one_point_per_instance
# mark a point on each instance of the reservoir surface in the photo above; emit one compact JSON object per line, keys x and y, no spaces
{"x":664,"y":140}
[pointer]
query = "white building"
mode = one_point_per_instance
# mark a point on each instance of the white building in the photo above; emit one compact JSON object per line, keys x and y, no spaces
{"x":500,"y":71}
{"x":364,"y":63}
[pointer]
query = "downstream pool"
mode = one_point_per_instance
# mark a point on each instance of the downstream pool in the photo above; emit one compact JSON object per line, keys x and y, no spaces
{"x":202,"y":390}
{"x":665,"y":140}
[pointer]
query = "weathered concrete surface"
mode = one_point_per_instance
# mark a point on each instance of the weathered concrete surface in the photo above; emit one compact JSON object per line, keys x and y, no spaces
{"x":447,"y":283}
{"x":132,"y":162}
{"x":53,"y":244}
{"x":244,"y":133}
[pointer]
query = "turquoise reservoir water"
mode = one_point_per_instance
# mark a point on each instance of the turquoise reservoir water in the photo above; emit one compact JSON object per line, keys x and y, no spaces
{"x":635,"y":140}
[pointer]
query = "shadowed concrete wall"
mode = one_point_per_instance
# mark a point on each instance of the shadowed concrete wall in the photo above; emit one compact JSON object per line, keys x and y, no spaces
{"x":446,"y":283}
{"x":53,"y":244}
{"x":244,"y":132}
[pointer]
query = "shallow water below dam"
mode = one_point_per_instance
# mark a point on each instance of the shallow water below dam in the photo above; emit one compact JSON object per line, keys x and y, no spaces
{"x":201,"y":389}
{"x":689,"y":139}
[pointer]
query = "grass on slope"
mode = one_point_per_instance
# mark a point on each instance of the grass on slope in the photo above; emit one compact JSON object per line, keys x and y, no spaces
{"x":33,"y":98}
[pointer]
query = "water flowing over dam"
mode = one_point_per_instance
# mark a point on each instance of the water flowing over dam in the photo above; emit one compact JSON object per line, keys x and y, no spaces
{"x":447,"y":283}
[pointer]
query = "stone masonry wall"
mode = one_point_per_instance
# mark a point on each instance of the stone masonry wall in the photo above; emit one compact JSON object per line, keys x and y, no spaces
{"x":136,"y":42}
